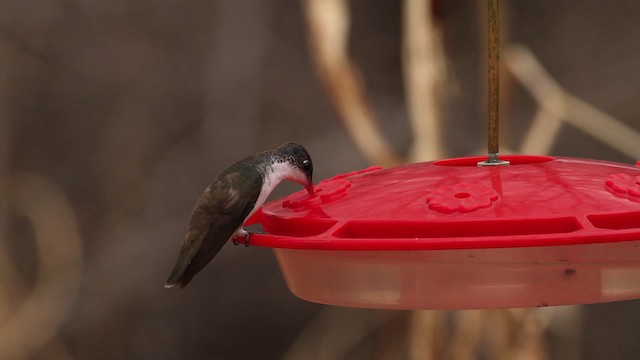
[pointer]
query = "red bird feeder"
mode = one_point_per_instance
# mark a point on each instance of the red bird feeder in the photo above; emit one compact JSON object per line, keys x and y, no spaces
{"x":453,"y":235}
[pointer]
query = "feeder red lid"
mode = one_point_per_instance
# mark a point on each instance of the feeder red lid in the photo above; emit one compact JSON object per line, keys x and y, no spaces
{"x":454,"y":204}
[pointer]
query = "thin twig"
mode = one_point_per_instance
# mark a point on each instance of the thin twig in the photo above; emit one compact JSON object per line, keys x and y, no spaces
{"x":328,"y":22}
{"x":36,"y":321}
{"x":424,"y":77}
{"x":334,"y":332}
{"x":470,"y":331}
{"x":563,"y":106}
{"x":427,"y":333}
{"x":542,"y":133}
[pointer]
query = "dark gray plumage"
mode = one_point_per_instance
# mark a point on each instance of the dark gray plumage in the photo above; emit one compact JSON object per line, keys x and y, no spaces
{"x":237,"y":192}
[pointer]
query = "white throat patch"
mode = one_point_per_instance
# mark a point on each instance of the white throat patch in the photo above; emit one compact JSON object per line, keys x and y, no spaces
{"x":274,"y":175}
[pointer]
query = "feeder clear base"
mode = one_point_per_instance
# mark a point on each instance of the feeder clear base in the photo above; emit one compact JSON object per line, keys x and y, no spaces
{"x":465,"y":279}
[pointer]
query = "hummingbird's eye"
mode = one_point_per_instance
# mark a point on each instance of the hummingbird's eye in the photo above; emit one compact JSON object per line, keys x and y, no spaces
{"x":306,"y":164}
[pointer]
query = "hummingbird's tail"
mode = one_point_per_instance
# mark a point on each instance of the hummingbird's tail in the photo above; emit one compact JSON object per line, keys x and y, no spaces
{"x":177,"y":277}
{"x":193,"y":259}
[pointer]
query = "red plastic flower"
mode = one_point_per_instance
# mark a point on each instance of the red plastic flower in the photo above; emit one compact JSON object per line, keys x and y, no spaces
{"x":462,"y":197}
{"x":624,"y":186}
{"x":326,"y":190}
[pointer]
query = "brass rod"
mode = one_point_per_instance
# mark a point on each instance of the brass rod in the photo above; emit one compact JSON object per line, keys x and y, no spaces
{"x":494,"y":93}
{"x":494,"y":85}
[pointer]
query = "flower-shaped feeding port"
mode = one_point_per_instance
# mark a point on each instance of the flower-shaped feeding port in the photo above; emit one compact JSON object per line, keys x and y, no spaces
{"x":624,"y":186}
{"x":326,"y":190}
{"x":461,"y":197}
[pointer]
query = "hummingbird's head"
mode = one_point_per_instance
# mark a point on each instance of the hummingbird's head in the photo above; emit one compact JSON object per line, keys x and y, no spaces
{"x":300,"y":161}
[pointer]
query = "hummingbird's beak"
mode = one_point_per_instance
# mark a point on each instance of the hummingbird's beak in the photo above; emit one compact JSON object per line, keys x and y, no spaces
{"x":310,"y":188}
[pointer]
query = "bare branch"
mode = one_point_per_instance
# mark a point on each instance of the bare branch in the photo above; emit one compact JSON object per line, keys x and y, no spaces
{"x":36,"y":321}
{"x":560,"y":105}
{"x":424,"y":77}
{"x":427,"y":334}
{"x":334,"y":332}
{"x":542,"y":134}
{"x":328,"y":22}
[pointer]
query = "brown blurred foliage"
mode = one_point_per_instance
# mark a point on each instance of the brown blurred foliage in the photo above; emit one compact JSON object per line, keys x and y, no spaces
{"x":114,"y":116}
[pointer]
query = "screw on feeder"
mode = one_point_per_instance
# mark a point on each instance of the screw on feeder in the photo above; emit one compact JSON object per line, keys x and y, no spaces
{"x":493,"y":74}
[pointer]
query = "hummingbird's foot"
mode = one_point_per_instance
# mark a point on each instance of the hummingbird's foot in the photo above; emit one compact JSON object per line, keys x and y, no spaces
{"x":245,"y":235}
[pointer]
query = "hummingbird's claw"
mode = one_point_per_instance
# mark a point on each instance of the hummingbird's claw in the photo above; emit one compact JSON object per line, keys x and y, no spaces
{"x":246,"y":237}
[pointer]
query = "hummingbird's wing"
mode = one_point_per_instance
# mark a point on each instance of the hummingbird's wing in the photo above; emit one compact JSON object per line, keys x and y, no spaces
{"x":219,"y":212}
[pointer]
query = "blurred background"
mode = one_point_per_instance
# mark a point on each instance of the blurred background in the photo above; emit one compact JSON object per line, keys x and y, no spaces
{"x":115,"y":115}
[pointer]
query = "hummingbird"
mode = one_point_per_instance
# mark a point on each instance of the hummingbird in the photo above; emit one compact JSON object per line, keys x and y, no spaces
{"x":234,"y":195}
